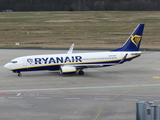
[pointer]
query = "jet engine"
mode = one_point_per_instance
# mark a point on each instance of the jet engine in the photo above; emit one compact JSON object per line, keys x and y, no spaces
{"x":67,"y":70}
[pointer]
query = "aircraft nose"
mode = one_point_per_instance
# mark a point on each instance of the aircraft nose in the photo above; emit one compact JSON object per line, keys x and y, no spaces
{"x":7,"y":66}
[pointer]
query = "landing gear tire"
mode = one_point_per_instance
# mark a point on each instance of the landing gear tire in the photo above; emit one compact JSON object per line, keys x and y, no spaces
{"x":81,"y":73}
{"x":19,"y":74}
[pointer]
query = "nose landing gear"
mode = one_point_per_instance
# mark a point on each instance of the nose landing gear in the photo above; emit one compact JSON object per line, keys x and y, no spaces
{"x":19,"y":74}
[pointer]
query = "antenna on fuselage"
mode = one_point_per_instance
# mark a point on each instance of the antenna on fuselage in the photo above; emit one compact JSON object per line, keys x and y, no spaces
{"x":70,"y":49}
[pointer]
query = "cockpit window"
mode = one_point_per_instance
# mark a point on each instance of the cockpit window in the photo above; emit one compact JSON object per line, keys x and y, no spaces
{"x":13,"y":62}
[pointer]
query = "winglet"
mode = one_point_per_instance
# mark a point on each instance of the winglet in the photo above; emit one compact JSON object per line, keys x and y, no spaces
{"x":70,"y":49}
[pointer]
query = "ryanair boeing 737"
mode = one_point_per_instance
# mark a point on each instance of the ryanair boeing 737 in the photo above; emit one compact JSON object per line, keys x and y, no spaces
{"x":71,"y":63}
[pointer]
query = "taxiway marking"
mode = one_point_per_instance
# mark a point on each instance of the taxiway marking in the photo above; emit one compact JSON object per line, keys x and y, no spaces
{"x":131,"y":99}
{"x":18,"y":94}
{"x":133,"y":88}
{"x":78,"y":88}
{"x":15,"y":97}
{"x":155,"y":77}
{"x":44,"y":98}
{"x":72,"y":98}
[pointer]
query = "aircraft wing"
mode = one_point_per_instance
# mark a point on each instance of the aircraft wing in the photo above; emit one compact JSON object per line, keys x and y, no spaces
{"x":92,"y":65}
{"x":84,"y":65}
{"x":98,"y":65}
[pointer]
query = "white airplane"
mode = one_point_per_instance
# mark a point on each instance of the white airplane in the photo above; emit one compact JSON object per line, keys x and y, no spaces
{"x":70,"y":63}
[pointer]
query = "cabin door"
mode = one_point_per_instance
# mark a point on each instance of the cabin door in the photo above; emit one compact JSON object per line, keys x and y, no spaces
{"x":24,"y":62}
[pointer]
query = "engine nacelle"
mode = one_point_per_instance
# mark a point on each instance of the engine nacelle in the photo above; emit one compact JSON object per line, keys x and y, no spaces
{"x":67,"y":70}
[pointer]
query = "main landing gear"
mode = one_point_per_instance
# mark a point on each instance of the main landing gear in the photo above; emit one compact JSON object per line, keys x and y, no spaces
{"x":81,"y":72}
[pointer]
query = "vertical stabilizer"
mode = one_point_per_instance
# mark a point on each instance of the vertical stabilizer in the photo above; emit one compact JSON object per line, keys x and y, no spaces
{"x":134,"y":41}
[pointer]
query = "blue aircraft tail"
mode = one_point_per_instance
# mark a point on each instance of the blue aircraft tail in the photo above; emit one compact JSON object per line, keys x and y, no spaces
{"x":134,"y":41}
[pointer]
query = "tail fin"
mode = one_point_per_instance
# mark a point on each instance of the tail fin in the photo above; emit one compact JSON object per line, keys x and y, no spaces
{"x":134,"y":41}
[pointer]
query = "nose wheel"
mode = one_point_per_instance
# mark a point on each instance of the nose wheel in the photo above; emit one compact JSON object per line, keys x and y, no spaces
{"x":19,"y":74}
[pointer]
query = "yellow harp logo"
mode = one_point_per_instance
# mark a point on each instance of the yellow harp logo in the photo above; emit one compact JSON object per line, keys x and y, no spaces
{"x":136,"y":39}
